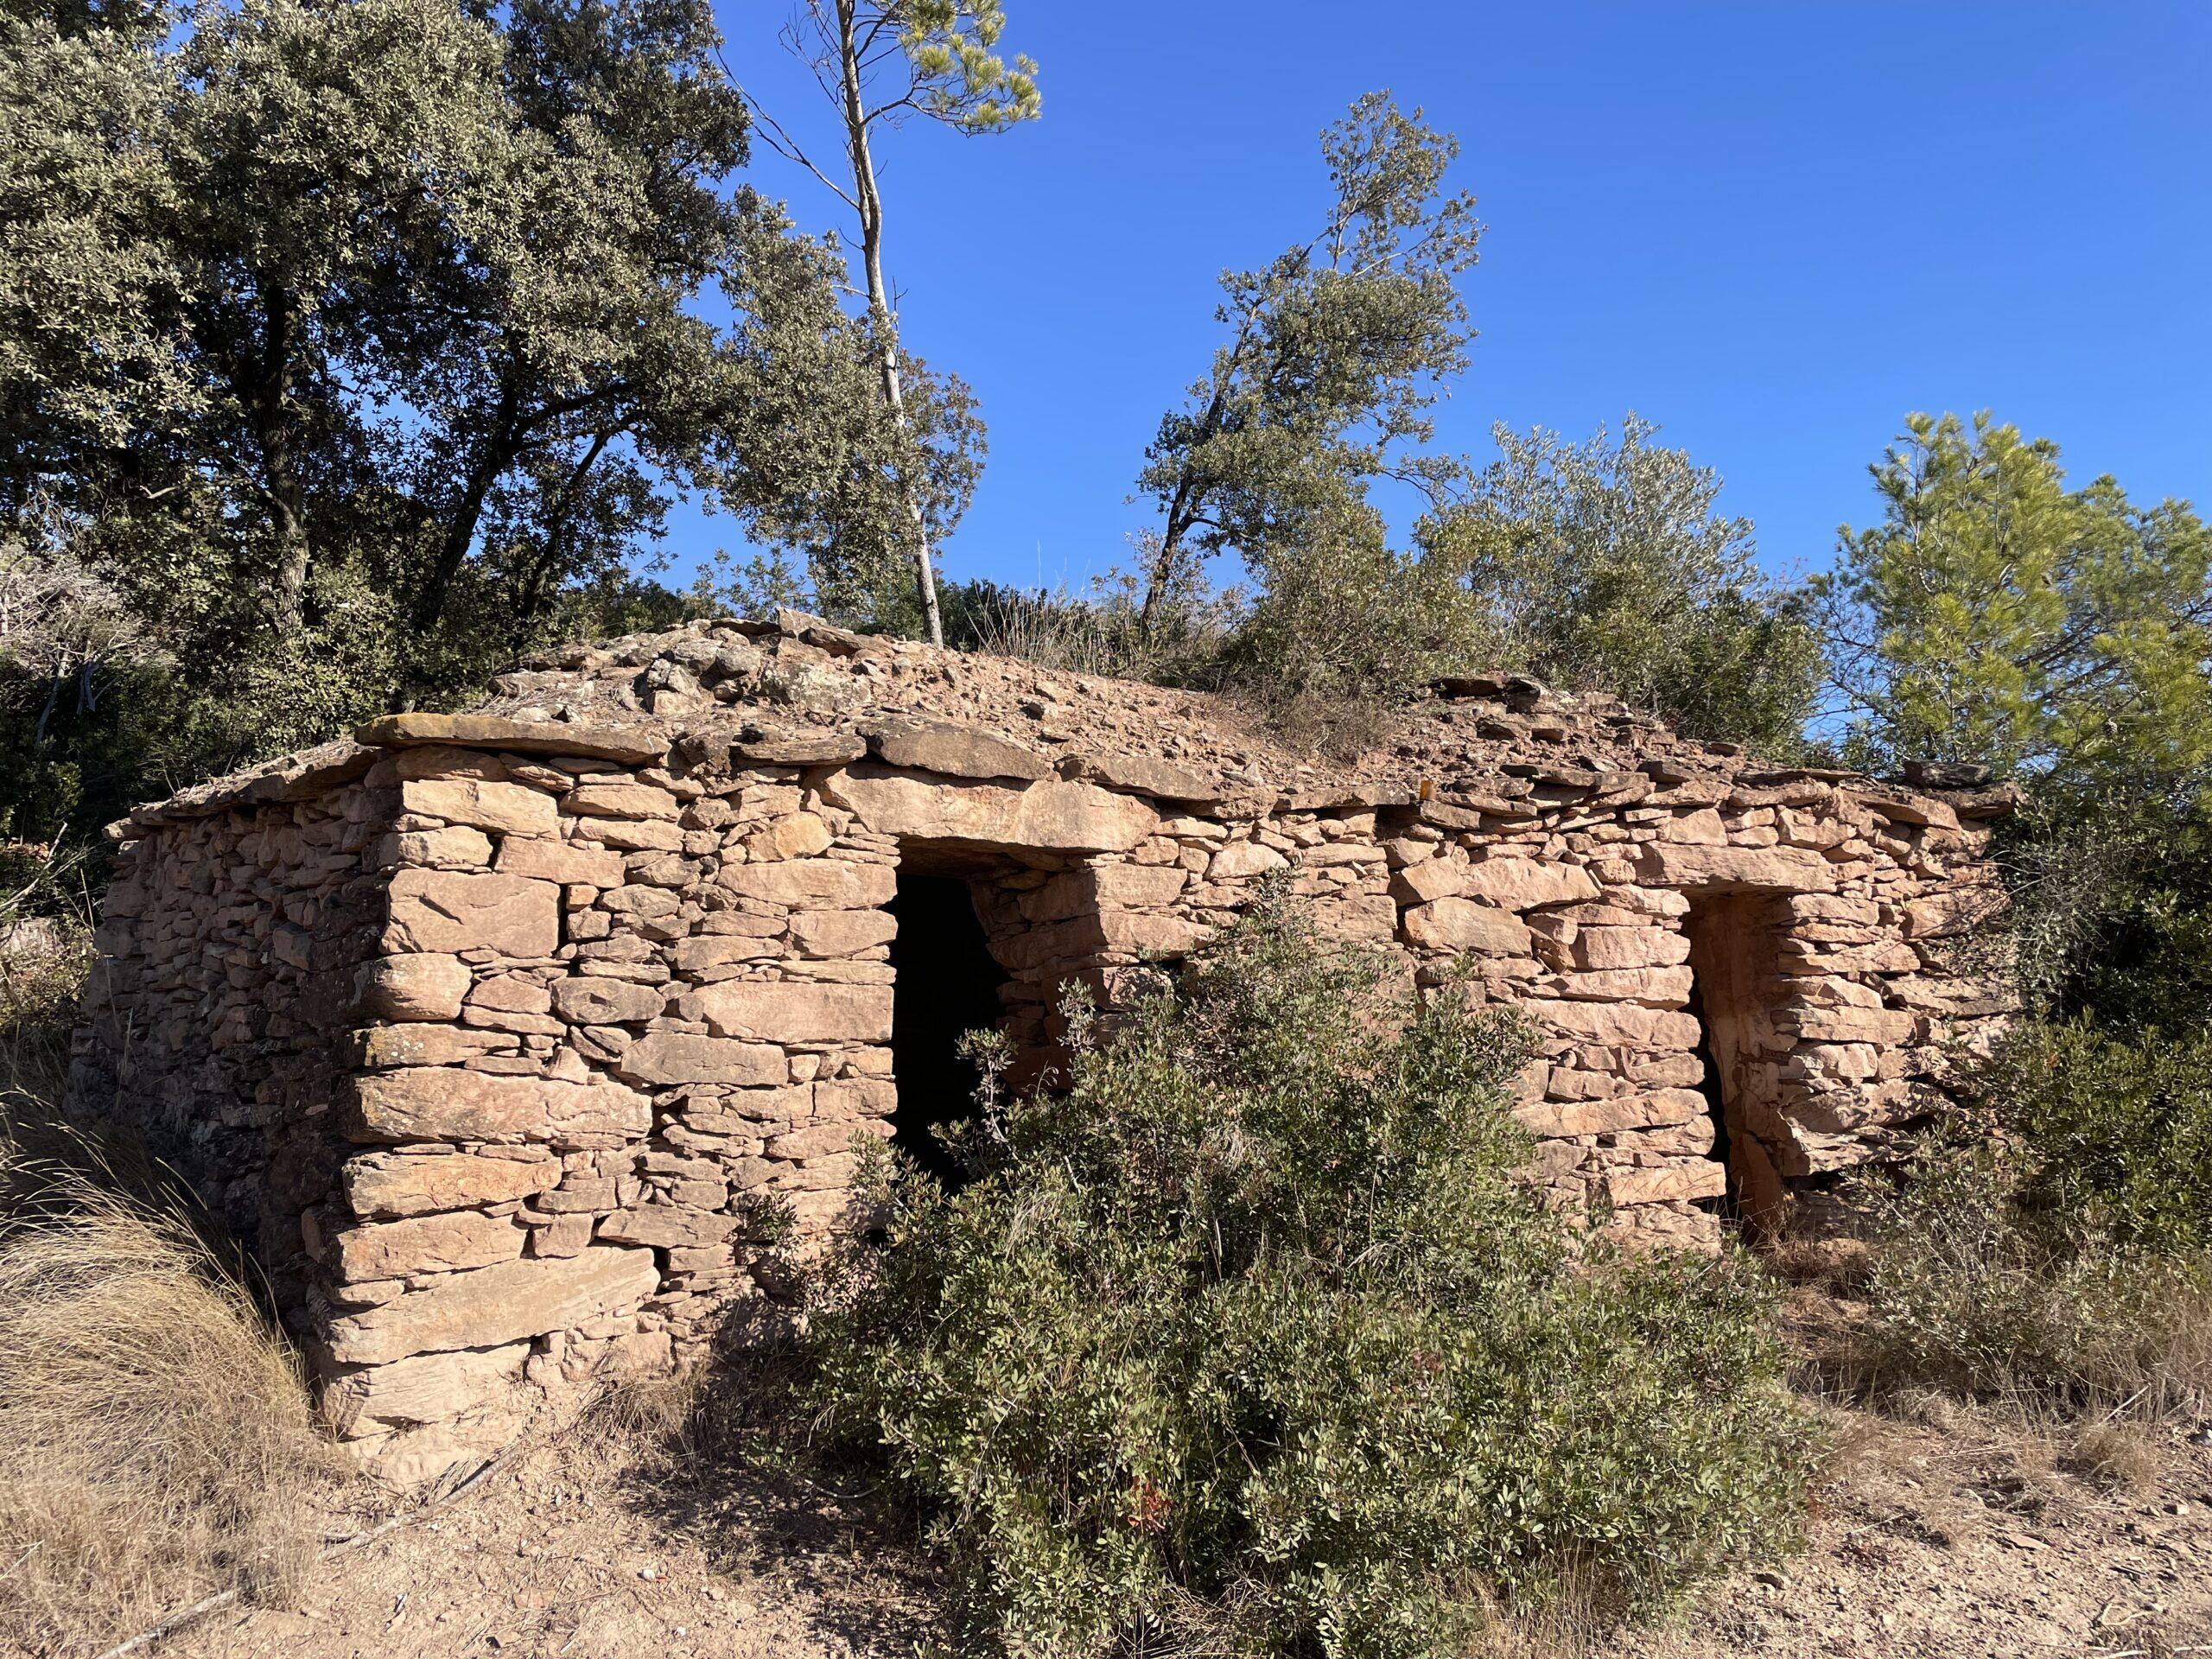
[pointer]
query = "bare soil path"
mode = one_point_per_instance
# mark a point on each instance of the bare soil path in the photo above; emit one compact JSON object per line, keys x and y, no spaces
{"x":1970,"y":1542}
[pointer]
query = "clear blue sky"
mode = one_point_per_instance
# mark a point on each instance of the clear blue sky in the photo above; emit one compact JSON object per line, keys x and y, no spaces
{"x":1774,"y":229}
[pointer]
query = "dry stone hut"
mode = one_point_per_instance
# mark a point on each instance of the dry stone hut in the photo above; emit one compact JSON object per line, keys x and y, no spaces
{"x":487,"y":1030}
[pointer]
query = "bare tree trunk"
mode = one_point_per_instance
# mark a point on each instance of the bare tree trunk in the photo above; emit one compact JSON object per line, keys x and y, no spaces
{"x":879,"y":298}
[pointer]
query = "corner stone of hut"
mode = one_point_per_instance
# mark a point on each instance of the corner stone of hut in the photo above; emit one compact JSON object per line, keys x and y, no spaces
{"x":489,"y":1034}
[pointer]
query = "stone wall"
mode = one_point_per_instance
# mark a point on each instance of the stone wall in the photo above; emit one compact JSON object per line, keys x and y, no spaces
{"x":497,"y":1034}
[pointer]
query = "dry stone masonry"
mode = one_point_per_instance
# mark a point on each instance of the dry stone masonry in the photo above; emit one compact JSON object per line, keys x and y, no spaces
{"x":492,"y":1032}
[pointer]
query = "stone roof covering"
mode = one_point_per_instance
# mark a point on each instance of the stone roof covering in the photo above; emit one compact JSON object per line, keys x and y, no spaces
{"x":797,"y":689}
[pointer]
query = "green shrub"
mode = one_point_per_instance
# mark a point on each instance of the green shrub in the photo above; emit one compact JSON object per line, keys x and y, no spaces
{"x":1255,"y":1341}
{"x":2116,"y":1132}
{"x":1975,"y":1287}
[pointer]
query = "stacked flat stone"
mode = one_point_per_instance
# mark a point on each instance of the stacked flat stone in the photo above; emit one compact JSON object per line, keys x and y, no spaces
{"x":497,"y":1034}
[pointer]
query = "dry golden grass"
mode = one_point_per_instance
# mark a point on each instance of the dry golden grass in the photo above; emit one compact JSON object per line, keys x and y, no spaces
{"x":2120,"y":1454}
{"x":157,"y":1442}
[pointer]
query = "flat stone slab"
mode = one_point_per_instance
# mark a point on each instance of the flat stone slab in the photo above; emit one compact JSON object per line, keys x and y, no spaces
{"x":631,"y":746}
{"x":497,"y":1305}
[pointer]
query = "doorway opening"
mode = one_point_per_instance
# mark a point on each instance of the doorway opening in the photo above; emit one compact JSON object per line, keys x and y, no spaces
{"x":945,"y":983}
{"x":1733,"y":964}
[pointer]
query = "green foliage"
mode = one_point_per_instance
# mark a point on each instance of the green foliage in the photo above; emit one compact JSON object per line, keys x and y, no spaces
{"x":2055,"y":1250}
{"x":1996,"y":617}
{"x":1974,"y":1288}
{"x":2118,"y":1133}
{"x":1256,"y":1341}
{"x":1604,"y":566}
{"x":360,"y":347}
{"x":1335,"y":351}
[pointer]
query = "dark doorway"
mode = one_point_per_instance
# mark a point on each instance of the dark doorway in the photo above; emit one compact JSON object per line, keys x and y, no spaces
{"x":1733,"y":939}
{"x":945,"y":984}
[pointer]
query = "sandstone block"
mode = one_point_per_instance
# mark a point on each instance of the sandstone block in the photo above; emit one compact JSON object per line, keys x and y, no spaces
{"x":721,"y":949}
{"x":1611,"y":1115}
{"x":1069,"y":817}
{"x":797,"y":835}
{"x":792,"y":1012}
{"x":840,"y":932}
{"x":1600,"y":949}
{"x":591,"y":1000}
{"x":427,"y":1388}
{"x":422,"y":1043}
{"x":1526,"y":883}
{"x":632,"y":747}
{"x":1242,"y":858}
{"x":1141,"y":774}
{"x":428,"y":987}
{"x":1785,"y":869}
{"x":490,"y":1306}
{"x":1704,"y":1178}
{"x":813,"y":883}
{"x":667,"y":1226}
{"x":1452,"y":923}
{"x":450,"y":910}
{"x":1429,"y":879}
{"x":481,"y":804}
{"x":431,"y":1243}
{"x":1614,"y":1024}
{"x":571,"y":863}
{"x":379,"y":1185}
{"x":448,"y":1103}
{"x":669,"y":1057}
{"x":454,"y":847}
{"x":957,"y":751}
{"x":621,"y":801}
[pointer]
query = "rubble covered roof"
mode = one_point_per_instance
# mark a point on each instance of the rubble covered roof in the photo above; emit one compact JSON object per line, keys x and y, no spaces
{"x":796,"y":689}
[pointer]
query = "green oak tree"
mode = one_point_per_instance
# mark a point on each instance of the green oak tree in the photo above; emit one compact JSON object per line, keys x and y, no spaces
{"x":358,"y":345}
{"x":1334,"y":354}
{"x":1604,"y":565}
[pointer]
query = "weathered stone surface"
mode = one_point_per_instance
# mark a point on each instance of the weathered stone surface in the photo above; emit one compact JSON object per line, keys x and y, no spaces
{"x":1703,"y":1178}
{"x":667,"y":1226}
{"x":666,"y":1057}
{"x":792,"y":1012}
{"x":429,"y":1244}
{"x":424,"y":1044}
{"x":451,"y":911}
{"x":1143,"y":774}
{"x":410,"y":987}
{"x":1598,"y":947}
{"x":572,"y":863}
{"x":1049,"y":815}
{"x":492,"y":1306}
{"x":481,"y":804}
{"x":383,"y":1185}
{"x":427,"y":1388}
{"x":1525,"y":883}
{"x":1615,"y":1023}
{"x":1782,"y":869}
{"x":816,"y":747}
{"x":634,"y":748}
{"x":1610,"y":1115}
{"x":1460,"y":924}
{"x":795,"y":835}
{"x":595,"y":1002}
{"x":456,"y":847}
{"x":621,"y":801}
{"x":814,"y":883}
{"x":842,"y":932}
{"x":956,"y":752}
{"x":1240,"y":860}
{"x":448,"y":1103}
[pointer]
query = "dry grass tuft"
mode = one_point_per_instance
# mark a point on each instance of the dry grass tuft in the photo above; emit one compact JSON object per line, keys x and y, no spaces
{"x":2119,"y":1454}
{"x":156,"y":1443}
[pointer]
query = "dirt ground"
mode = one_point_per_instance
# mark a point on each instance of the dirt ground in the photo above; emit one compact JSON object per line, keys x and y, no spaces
{"x":1969,"y":1541}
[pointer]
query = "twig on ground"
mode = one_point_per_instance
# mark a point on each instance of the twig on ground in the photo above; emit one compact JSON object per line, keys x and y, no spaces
{"x":184,"y":1616}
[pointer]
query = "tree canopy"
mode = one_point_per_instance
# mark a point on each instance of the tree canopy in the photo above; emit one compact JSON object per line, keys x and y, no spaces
{"x":359,"y":347}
